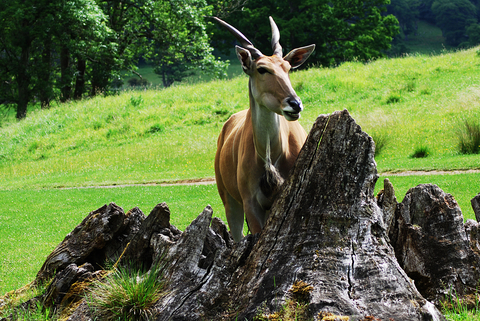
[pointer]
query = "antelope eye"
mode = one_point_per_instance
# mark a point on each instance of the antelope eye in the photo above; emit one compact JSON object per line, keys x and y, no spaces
{"x":262,"y":70}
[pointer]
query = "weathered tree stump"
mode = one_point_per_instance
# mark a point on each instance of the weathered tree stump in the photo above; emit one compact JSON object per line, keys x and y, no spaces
{"x":432,"y":245}
{"x":100,"y":237}
{"x":328,"y":243}
{"x":326,"y":230}
{"x":476,"y":206}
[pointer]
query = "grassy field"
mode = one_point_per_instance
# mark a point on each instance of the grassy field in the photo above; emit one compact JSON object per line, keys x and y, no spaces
{"x":154,"y":80}
{"x":170,"y":134}
{"x":428,"y":40}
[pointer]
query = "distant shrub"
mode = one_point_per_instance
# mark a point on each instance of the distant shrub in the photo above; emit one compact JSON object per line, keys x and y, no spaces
{"x":420,"y":152}
{"x":393,"y":98}
{"x":410,"y":85}
{"x":137,"y":82}
{"x":469,"y":137}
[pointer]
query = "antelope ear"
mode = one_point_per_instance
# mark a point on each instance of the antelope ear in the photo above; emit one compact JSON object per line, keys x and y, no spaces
{"x":245,"y":58}
{"x":297,"y":57}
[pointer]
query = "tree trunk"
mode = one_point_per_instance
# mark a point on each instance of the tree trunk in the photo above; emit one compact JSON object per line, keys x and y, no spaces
{"x":23,"y":82}
{"x":65,"y":78}
{"x":45,"y":93}
{"x":80,"y":81}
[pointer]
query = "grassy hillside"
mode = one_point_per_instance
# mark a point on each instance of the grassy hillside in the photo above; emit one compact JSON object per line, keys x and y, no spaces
{"x":170,"y":134}
{"x":153,"y":136}
{"x":427,"y":40}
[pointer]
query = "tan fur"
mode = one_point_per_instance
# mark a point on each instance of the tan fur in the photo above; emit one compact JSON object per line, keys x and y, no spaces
{"x":257,"y":147}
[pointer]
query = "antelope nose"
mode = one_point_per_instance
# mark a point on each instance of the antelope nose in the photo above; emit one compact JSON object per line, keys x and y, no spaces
{"x":296,"y":104}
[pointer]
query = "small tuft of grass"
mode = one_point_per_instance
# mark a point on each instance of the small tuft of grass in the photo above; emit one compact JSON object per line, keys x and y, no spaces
{"x":420,"y":152}
{"x":381,"y":140}
{"x":461,"y":309}
{"x":290,"y":311}
{"x":393,"y":98}
{"x":469,"y":138}
{"x":125,"y":294}
{"x":136,"y":101}
{"x":410,"y":85}
{"x":156,"y":128}
{"x":12,"y":306}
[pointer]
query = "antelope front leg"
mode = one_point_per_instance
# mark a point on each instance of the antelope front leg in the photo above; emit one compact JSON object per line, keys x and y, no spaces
{"x":256,"y":216}
{"x":235,"y":218}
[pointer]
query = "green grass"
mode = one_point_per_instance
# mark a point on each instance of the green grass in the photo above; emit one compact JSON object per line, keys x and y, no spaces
{"x":154,"y":80}
{"x":170,"y":134}
{"x":428,"y":40}
{"x":127,"y":293}
{"x":462,"y":186}
{"x":33,"y":222}
{"x":40,"y":219}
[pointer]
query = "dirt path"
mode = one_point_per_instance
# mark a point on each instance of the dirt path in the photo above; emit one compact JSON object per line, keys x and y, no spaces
{"x":200,"y":181}
{"x":419,"y":173}
{"x":211,"y":180}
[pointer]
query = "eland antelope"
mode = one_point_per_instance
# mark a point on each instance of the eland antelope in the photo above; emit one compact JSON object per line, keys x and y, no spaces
{"x":257,"y":147}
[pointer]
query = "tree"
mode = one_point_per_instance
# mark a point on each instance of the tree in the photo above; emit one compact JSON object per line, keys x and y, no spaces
{"x":453,"y":17}
{"x":473,"y":34}
{"x":406,"y":11}
{"x":68,"y":49}
{"x":38,"y":33}
{"x":181,"y":45}
{"x":21,"y":24}
{"x":169,"y":33}
{"x":83,"y":38}
{"x":342,"y":30}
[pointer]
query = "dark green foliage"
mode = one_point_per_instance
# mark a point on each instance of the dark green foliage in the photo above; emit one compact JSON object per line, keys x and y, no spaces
{"x":469,"y":138}
{"x":156,"y":129}
{"x":406,"y":11}
{"x":454,"y":17}
{"x":420,"y":152}
{"x":63,"y":50}
{"x":343,"y":30}
{"x":136,"y":101}
{"x":473,"y":34}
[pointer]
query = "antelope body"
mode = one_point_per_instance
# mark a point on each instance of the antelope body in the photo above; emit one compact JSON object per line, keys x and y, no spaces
{"x":257,"y":147}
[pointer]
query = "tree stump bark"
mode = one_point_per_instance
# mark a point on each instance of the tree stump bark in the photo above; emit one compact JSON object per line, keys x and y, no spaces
{"x":476,"y":206}
{"x":327,"y":244}
{"x":325,"y":230}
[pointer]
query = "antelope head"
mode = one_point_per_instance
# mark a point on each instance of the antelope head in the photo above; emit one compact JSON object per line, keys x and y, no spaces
{"x":270,"y":84}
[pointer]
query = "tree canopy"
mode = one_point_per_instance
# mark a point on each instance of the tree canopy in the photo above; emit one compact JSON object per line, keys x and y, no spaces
{"x":342,"y":29}
{"x":454,"y":17}
{"x":69,"y":49}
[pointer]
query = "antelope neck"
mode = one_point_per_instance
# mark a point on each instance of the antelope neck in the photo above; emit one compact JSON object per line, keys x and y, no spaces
{"x":266,"y":132}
